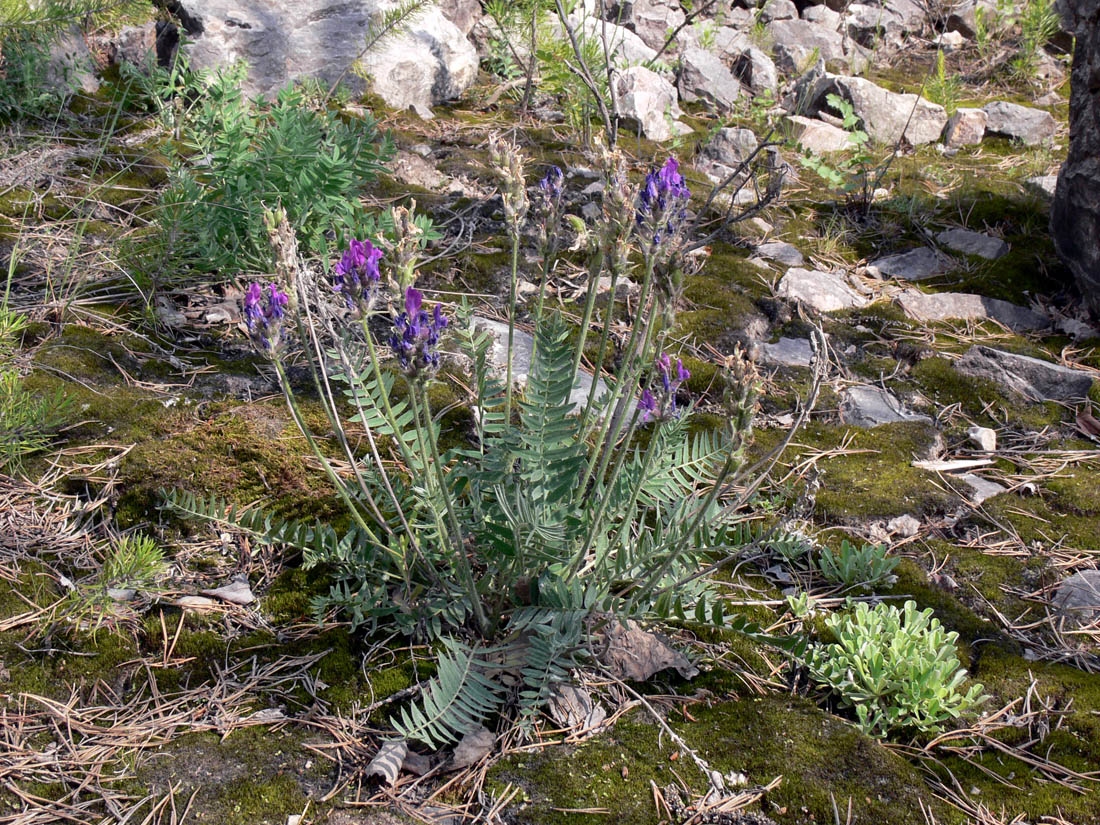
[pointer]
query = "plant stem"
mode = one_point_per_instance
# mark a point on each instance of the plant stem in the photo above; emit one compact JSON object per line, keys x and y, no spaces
{"x":299,"y":421}
{"x":512,"y":320}
{"x":461,"y":559}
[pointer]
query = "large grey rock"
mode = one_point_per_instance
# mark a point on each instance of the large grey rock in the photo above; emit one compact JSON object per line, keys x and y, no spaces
{"x":781,"y":252}
{"x":725,"y":41}
{"x":824,"y":291}
{"x":69,"y":65}
{"x":731,"y":145}
{"x":787,"y":352}
{"x":287,"y":40}
{"x":942,"y":306}
{"x":704,"y":77}
{"x":756,"y":70}
{"x":867,"y":406}
{"x":914,"y":265}
{"x":1022,"y":123}
{"x":796,"y":41}
{"x":651,"y":20}
{"x":886,"y":115}
{"x":875,"y":27}
{"x":625,"y":47}
{"x":963,"y":17}
{"x":969,"y":242}
{"x":823,"y":16}
{"x":1077,"y":599}
{"x":778,"y":10}
{"x":1030,"y":377}
{"x":1075,"y":212}
{"x":817,"y":136}
{"x":645,"y":100}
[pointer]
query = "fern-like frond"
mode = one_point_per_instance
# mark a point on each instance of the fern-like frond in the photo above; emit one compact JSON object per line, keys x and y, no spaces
{"x":458,"y":699}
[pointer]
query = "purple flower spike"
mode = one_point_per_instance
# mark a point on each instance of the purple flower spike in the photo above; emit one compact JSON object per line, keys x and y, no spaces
{"x":662,"y":201}
{"x":415,"y":336}
{"x":669,"y":385}
{"x":356,"y":275}
{"x":648,"y":406}
{"x":553,"y":184}
{"x":264,"y":312}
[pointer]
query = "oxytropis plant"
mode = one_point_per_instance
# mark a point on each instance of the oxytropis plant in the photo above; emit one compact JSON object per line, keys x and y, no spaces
{"x":510,"y":552}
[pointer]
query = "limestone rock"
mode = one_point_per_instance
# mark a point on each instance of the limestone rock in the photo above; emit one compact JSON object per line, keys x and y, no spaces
{"x":646,"y":100}
{"x":778,"y":10}
{"x":1045,"y":185}
{"x":1022,"y":123}
{"x":886,"y":115}
{"x":1075,"y":212}
{"x":523,"y":347}
{"x":817,"y":136}
{"x":969,"y":242}
{"x":823,"y":16}
{"x":824,"y":291}
{"x":731,"y":145}
{"x":781,"y":252}
{"x":965,"y":128}
{"x":756,"y":70}
{"x":796,"y":41}
{"x":1030,"y":377}
{"x":981,"y":489}
{"x":941,"y":306}
{"x":867,"y":406}
{"x":651,"y":20}
{"x":69,"y":64}
{"x":875,"y":27}
{"x":914,"y":265}
{"x":286,"y":40}
{"x":983,"y":438}
{"x":465,"y":14}
{"x":787,"y":352}
{"x":704,"y":77}
{"x":1077,"y":599}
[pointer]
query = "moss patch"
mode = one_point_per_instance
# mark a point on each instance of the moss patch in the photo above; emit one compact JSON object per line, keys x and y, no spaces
{"x":814,"y":752}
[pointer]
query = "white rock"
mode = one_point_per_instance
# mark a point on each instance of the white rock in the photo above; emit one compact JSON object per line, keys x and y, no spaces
{"x":647,"y":101}
{"x":286,"y":40}
{"x":983,"y":438}
{"x":824,"y":291}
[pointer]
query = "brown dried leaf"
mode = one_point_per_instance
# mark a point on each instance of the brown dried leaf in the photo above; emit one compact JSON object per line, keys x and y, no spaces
{"x":1087,"y":423}
{"x":473,"y":747}
{"x":636,"y":654}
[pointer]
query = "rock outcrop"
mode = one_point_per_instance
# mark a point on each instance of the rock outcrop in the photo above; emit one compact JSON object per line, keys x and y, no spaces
{"x":286,"y":40}
{"x":1075,"y":213}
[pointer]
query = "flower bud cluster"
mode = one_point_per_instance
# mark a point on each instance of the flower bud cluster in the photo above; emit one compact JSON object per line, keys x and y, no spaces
{"x":265,"y":315}
{"x":356,"y":276}
{"x":415,"y":336}
{"x":507,"y":163}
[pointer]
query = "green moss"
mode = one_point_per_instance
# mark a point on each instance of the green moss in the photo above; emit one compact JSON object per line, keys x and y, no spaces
{"x":819,"y":757}
{"x":255,"y":776}
{"x":1073,"y":741}
{"x":874,"y":478}
{"x":244,"y":452}
{"x":940,"y":381}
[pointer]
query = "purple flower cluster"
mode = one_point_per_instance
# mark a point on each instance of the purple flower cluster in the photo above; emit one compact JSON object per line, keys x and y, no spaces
{"x":264,"y":313}
{"x":553,"y":184}
{"x":663,"y":404}
{"x":356,"y":275}
{"x":662,"y":201}
{"x":415,"y":336}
